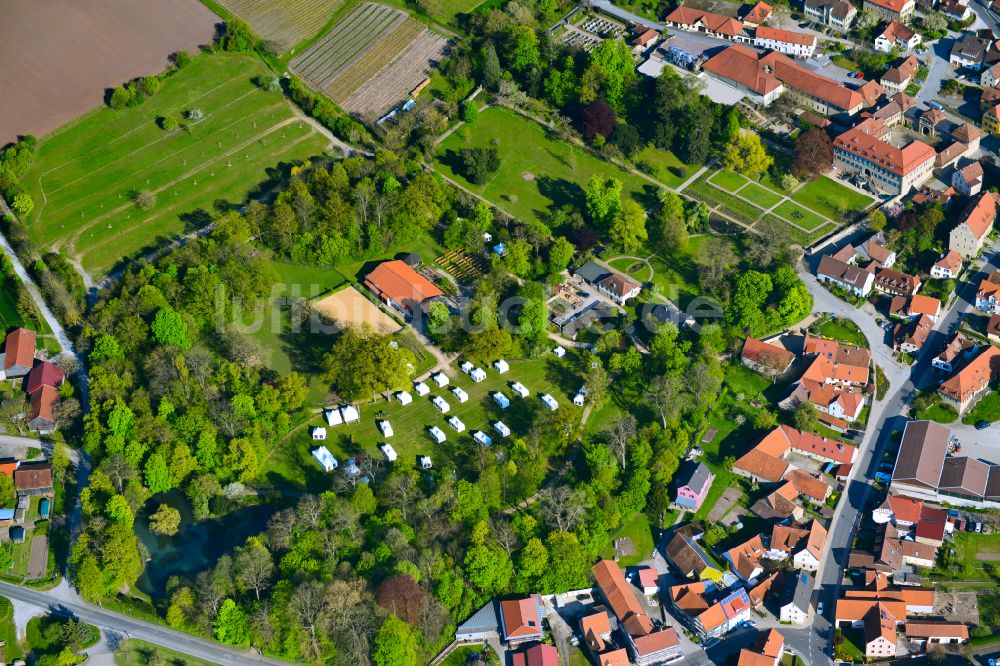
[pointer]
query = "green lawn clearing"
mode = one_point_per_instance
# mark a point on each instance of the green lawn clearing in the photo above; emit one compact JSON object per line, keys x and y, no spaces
{"x":530,"y":183}
{"x":798,"y":235}
{"x":799,"y":216}
{"x":134,"y":652}
{"x":760,"y":196}
{"x":638,"y":530}
{"x":728,"y":180}
{"x":291,"y":465}
{"x":676,"y":276}
{"x":730,"y":203}
{"x":637,"y":269}
{"x":662,"y":165}
{"x":937,"y":412}
{"x":975,"y":556}
{"x":843,"y":330}
{"x":8,"y":632}
{"x":9,"y":315}
{"x":828,"y":197}
{"x":85,"y":175}
{"x":460,"y":655}
{"x":987,"y":409}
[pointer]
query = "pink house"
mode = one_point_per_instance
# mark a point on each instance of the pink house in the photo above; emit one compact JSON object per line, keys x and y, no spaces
{"x":693,"y":487}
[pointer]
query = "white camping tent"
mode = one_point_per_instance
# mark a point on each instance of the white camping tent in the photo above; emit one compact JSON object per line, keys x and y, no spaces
{"x":502,"y":428}
{"x":437,"y":434}
{"x":520,"y":389}
{"x":333,"y":417}
{"x":559,"y":351}
{"x":404,"y":397}
{"x":318,"y":433}
{"x":501,"y":366}
{"x":482,"y":438}
{"x":478,"y":374}
{"x":466,"y":367}
{"x":390,"y":453}
{"x":325,"y":459}
{"x":460,"y":394}
{"x":550,"y":402}
{"x":425,"y":462}
{"x":455,"y":423}
{"x":349,"y":413}
{"x":501,"y":400}
{"x":440,"y":403}
{"x":385,"y":428}
{"x":421,"y":388}
{"x":440,"y":379}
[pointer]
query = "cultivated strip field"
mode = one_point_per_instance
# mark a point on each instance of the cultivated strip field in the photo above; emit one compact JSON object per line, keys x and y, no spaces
{"x":85,"y":175}
{"x":371,"y":59}
{"x":57,"y":58}
{"x":287,"y":22}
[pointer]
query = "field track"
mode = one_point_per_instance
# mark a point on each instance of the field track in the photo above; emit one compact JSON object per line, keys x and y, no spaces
{"x":285,"y":22}
{"x":57,"y":58}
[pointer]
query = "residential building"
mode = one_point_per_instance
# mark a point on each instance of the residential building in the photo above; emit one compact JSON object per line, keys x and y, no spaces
{"x":890,"y":281}
{"x":832,"y":400}
{"x":909,"y":338}
{"x":33,"y":478}
{"x":851,"y":611}
{"x":891,"y":10}
{"x":745,"y":559}
{"x":766,"y":358}
{"x":926,"y":633}
{"x":969,"y":52}
{"x":865,"y":150}
{"x":687,"y":556}
{"x":724,"y":615}
{"x":401,"y":287}
{"x":880,"y":632}
{"x":613,"y":284}
{"x":696,"y":20}
{"x":808,"y":558}
{"x":596,"y":631}
{"x":796,"y":597}
{"x":947,"y":267}
{"x":921,"y":457}
{"x":895,"y":35}
{"x":767,"y":650}
{"x":874,"y":249}
{"x":898,"y":77}
{"x":797,"y":44}
{"x":956,"y":10}
{"x":785,"y":541}
{"x":916,"y":306}
{"x":993,"y":328}
{"x":958,"y":350}
{"x":648,"y":580}
{"x":693,"y":485}
{"x":855,"y":280}
{"x":968,"y":181}
{"x":18,"y":356}
{"x":974,"y":226}
{"x":766,"y":461}
{"x":990,"y":76}
{"x":837,"y":353}
{"x":765,"y":77}
{"x":838,"y":14}
{"x":965,"y":387}
{"x":988,"y":295}
{"x":991,"y":119}
{"x":757,"y":14}
{"x":539,"y":654}
{"x":521,"y":620}
{"x":42,"y":387}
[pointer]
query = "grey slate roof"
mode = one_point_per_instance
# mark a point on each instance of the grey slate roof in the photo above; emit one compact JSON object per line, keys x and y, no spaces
{"x":698,"y":475}
{"x":592,"y":272}
{"x":482,"y":621}
{"x":798,"y":591}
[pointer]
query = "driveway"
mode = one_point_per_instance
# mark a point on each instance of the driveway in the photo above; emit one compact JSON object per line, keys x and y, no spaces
{"x":938,"y":68}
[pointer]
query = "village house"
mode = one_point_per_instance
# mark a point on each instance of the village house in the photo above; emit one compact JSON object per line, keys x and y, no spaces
{"x":766,"y":461}
{"x":988,"y":295}
{"x":993,"y":328}
{"x":757,"y":14}
{"x":745,"y":559}
{"x":958,"y":350}
{"x":797,"y":44}
{"x":963,"y":389}
{"x":42,"y":387}
{"x":974,"y":226}
{"x":947,"y":267}
{"x":18,"y":356}
{"x":916,"y":306}
{"x":795,"y":598}
{"x":521,"y":620}
{"x":969,"y":51}
{"x":597,"y":636}
{"x":893,"y":282}
{"x":715,"y":25}
{"x":924,"y":633}
{"x":891,"y":10}
{"x":898,"y":77}
{"x":874,"y":249}
{"x":865,"y":150}
{"x":766,"y":358}
{"x":909,"y":337}
{"x":968,"y":181}
{"x":895,"y":35}
{"x":838,"y":14}
{"x":616,"y":286}
{"x":686,"y":555}
{"x":400,"y":287}
{"x":785,"y":541}
{"x":855,"y":280}
{"x":693,"y":485}
{"x":767,"y":650}
{"x":539,"y":654}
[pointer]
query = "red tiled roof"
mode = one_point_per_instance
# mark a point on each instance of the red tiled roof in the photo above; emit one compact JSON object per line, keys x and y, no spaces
{"x":951,"y":261}
{"x":787,"y":36}
{"x":980,"y":214}
{"x":892,"y":5}
{"x":520,"y":617}
{"x":761,"y":465}
{"x":43,"y":404}
{"x":397,"y":281}
{"x":866,"y":141}
{"x":623,"y":602}
{"x":767,"y":355}
{"x":44,"y":374}
{"x":541,"y":654}
{"x":928,"y":629}
{"x":758,"y":13}
{"x":896,"y":31}
{"x":905,"y":508}
{"x":723,"y":25}
{"x":19,"y":348}
{"x":973,"y":377}
{"x":928,"y":305}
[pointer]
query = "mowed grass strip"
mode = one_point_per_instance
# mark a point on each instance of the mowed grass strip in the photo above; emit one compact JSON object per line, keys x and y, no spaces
{"x":83,"y":186}
{"x":727,"y":180}
{"x":371,"y":63}
{"x":798,"y":235}
{"x":531,"y":183}
{"x":760,"y":196}
{"x":828,"y":197}
{"x":800,"y":216}
{"x":287,"y":22}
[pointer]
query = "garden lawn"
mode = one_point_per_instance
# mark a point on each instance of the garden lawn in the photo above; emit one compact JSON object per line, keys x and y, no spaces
{"x":843,"y":331}
{"x":799,"y":216}
{"x":728,"y":180}
{"x":636,"y":269}
{"x":732,"y":203}
{"x":8,"y":632}
{"x":798,"y":235}
{"x":828,"y":197}
{"x":662,"y":165}
{"x":460,"y":655}
{"x":760,"y":196}
{"x":134,"y":652}
{"x":968,"y":548}
{"x":987,"y":409}
{"x":9,"y":316}
{"x":291,"y":464}
{"x":677,"y":276}
{"x":85,"y":175}
{"x":938,"y":412}
{"x":638,"y":530}
{"x":530,"y":183}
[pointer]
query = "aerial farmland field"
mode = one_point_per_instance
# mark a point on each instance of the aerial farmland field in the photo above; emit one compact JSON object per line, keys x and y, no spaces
{"x":51,"y":76}
{"x":86,"y":175}
{"x":371,"y":59}
{"x":285,"y":23}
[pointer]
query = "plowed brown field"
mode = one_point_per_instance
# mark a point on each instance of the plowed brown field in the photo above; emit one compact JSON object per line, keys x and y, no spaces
{"x":57,"y":57}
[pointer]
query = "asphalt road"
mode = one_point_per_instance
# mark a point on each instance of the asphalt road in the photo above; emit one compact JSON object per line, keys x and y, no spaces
{"x":133,"y":628}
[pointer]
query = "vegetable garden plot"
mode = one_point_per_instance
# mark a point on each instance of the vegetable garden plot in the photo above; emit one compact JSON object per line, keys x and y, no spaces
{"x":285,"y":23}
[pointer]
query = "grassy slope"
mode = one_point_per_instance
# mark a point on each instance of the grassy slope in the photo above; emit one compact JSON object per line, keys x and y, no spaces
{"x":137,"y":653}
{"x":90,"y":169}
{"x":8,"y":632}
{"x":560,"y":170}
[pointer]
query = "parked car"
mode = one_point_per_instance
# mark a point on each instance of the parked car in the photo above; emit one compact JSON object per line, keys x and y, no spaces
{"x":819,"y":608}
{"x":983,"y":425}
{"x":979,"y":527}
{"x":935,"y":105}
{"x":850,"y":75}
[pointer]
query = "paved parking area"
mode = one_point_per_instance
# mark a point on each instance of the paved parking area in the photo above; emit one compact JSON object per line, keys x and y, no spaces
{"x":957,"y":606}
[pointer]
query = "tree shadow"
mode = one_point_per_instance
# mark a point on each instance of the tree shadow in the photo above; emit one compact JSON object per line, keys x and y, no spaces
{"x":560,"y":192}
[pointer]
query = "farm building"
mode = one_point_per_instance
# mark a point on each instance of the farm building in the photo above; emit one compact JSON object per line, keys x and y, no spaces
{"x":455,"y":423}
{"x":441,"y":404}
{"x":385,"y":428}
{"x":482,"y":438}
{"x":421,"y":388}
{"x":501,"y":366}
{"x":19,"y":353}
{"x":349,"y":413}
{"x":425,"y":462}
{"x":401,"y":287}
{"x":437,"y":434}
{"x":478,"y":374}
{"x":502,"y":428}
{"x":550,"y":402}
{"x":325,"y":459}
{"x":559,"y":351}
{"x":318,"y":433}
{"x":389,"y":452}
{"x":333,"y":417}
{"x":440,"y":379}
{"x":520,"y":389}
{"x":501,"y":400}
{"x":460,"y":394}
{"x":404,"y":398}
